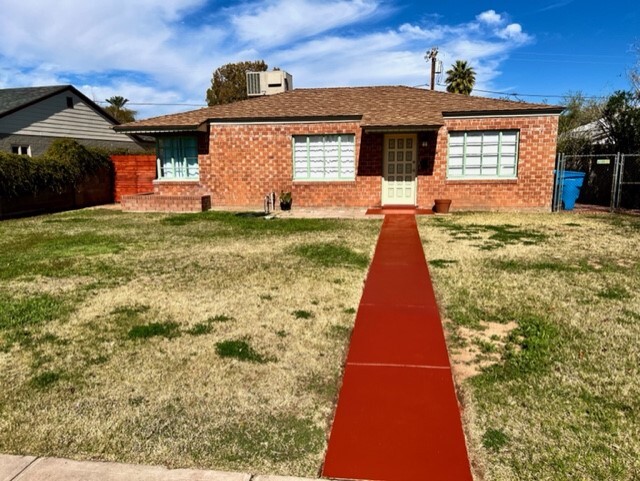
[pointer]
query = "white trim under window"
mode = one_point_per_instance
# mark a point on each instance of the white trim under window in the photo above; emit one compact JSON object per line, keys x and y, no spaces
{"x":177,"y":158}
{"x":484,"y":154}
{"x":324,"y":157}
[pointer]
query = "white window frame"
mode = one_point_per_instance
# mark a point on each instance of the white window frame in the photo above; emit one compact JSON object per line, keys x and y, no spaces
{"x":343,"y":157}
{"x":21,"y":149}
{"x":500,"y":175}
{"x":180,"y":167}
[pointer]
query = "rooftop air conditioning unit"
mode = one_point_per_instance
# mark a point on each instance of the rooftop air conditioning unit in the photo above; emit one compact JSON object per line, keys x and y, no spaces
{"x":268,"y":83}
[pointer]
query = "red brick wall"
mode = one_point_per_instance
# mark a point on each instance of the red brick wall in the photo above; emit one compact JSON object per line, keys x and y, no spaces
{"x":165,"y":203}
{"x":244,"y":162}
{"x":536,"y":159}
{"x":180,"y":187}
{"x":248,"y":161}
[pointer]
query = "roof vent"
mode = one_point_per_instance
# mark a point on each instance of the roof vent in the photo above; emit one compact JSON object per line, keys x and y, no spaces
{"x":268,"y":83}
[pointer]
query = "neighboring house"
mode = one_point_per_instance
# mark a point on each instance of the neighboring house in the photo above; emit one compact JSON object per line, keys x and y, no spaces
{"x":32,"y":117}
{"x":361,"y":146}
{"x":595,"y":132}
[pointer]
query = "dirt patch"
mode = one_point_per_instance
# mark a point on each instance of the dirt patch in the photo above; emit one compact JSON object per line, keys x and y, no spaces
{"x":478,"y":348}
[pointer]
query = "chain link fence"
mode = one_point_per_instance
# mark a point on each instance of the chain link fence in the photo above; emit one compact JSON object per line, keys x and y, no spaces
{"x":610,"y":180}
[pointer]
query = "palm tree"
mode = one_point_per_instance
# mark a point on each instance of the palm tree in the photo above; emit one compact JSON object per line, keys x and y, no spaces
{"x":460,"y":78}
{"x":117,"y":109}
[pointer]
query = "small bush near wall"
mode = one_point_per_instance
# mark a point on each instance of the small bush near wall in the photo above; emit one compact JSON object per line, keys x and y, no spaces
{"x":65,"y":164}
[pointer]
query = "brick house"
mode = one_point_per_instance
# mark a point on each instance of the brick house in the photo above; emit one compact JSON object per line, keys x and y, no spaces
{"x":361,"y":146}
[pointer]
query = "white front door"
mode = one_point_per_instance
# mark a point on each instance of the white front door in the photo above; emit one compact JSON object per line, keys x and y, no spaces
{"x":399,"y":179}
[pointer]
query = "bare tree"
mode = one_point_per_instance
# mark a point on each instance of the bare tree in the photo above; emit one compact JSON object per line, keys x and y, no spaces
{"x":634,"y":73}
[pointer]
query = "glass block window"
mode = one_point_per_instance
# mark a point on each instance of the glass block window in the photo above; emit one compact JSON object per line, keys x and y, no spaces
{"x":483,"y":155}
{"x":324,"y":157}
{"x":178,"y":158}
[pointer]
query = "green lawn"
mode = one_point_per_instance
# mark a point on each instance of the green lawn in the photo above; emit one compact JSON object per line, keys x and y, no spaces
{"x":209,"y":340}
{"x":542,"y":313}
{"x":216,"y":340}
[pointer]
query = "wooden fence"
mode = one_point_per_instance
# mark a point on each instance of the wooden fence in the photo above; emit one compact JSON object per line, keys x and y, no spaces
{"x":133,"y":174}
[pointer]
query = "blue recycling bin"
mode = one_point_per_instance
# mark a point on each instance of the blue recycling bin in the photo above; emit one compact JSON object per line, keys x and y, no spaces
{"x":573,"y":180}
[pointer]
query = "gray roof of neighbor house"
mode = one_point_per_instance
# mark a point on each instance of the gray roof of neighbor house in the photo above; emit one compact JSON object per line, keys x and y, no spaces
{"x":17,"y":98}
{"x":14,"y":99}
{"x":373,"y":107}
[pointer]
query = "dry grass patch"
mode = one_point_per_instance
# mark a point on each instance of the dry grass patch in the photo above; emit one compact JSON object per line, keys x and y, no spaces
{"x":172,"y":341}
{"x":555,"y":394}
{"x":477,"y":349}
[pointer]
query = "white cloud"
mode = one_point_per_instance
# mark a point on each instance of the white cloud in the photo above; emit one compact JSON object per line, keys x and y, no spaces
{"x":15,"y":77}
{"x":280,"y":21}
{"x":474,"y":51}
{"x":397,"y":56}
{"x":513,"y":31}
{"x":105,"y":39}
{"x":490,"y":17}
{"x":375,"y":59}
{"x":553,"y":6}
{"x":139,"y":96}
{"x":417,"y":32}
{"x":154,"y":51}
{"x":95,"y":36}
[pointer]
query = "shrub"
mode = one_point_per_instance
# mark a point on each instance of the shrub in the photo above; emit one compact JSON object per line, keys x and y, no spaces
{"x":65,"y":164}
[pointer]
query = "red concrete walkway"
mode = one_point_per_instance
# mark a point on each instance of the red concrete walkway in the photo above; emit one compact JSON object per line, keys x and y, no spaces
{"x":397,"y":416}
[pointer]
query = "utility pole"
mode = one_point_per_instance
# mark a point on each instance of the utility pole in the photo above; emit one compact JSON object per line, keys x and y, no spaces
{"x":432,"y":55}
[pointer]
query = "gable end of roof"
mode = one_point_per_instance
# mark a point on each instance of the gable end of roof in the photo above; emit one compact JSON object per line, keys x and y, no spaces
{"x":46,"y":93}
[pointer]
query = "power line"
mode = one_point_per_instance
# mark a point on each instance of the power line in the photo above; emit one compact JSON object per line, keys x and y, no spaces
{"x":509,"y":94}
{"x":518,"y":94}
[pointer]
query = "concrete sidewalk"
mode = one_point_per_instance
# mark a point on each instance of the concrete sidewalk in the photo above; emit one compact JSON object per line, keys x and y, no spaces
{"x":31,"y":468}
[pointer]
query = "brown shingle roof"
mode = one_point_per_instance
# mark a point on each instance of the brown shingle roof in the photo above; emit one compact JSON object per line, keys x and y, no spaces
{"x":375,"y":106}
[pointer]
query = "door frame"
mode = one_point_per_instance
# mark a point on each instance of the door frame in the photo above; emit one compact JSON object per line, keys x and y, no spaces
{"x":387,"y":136}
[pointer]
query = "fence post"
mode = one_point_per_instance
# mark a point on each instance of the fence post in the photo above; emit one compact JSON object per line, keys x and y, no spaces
{"x":614,"y":182}
{"x":620,"y":180}
{"x":557,"y":189}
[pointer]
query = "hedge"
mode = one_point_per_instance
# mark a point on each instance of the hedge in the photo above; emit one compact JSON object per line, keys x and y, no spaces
{"x":65,"y":164}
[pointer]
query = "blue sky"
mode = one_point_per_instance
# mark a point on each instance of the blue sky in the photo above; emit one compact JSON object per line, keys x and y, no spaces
{"x":163,"y":52}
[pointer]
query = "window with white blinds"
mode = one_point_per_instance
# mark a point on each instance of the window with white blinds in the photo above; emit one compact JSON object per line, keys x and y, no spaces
{"x":483,"y":155}
{"x":324,"y":157}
